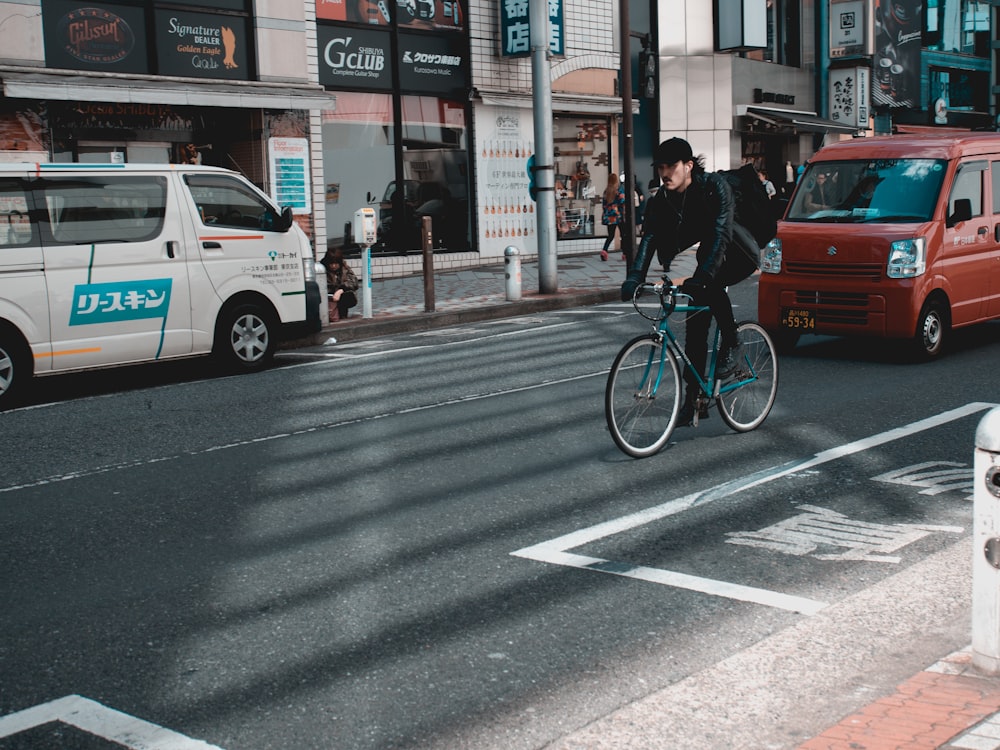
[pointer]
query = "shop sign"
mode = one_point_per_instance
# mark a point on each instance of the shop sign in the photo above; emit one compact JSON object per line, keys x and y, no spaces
{"x":413,"y":14}
{"x":847,"y":28}
{"x":354,"y":58}
{"x":433,"y":64}
{"x":849,"y":96}
{"x":515,"y":32}
{"x":201,"y":45}
{"x":898,"y":37}
{"x":94,"y":36}
{"x":290,"y":185}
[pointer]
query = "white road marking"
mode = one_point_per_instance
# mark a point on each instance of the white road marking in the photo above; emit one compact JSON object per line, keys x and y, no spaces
{"x":933,"y":478}
{"x":555,"y":551}
{"x":100,"y":721}
{"x":821,"y":527}
{"x":98,"y":470}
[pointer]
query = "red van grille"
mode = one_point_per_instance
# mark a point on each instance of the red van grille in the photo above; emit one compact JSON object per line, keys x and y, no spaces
{"x":836,"y":308}
{"x":869,"y":271}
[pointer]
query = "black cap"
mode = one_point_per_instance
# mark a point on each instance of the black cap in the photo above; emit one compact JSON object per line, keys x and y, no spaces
{"x":672,"y":151}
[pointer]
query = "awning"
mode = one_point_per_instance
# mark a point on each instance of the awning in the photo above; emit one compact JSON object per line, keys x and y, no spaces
{"x":62,"y":86}
{"x":561,"y":102}
{"x":805,"y":122}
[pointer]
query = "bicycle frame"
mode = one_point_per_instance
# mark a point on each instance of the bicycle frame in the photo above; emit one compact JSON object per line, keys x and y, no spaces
{"x":709,"y":386}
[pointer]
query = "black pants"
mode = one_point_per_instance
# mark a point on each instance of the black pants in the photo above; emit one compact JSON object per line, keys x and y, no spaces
{"x":698,"y":323}
{"x":736,"y":266}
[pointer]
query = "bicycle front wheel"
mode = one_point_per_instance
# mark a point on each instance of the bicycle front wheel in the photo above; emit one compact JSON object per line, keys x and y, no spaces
{"x":747,"y":396}
{"x":642,"y":397}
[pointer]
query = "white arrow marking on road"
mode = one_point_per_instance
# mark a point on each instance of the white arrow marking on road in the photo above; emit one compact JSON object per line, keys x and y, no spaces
{"x":100,"y":721}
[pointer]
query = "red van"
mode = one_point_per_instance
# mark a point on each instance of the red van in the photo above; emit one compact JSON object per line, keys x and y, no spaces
{"x":892,"y":236}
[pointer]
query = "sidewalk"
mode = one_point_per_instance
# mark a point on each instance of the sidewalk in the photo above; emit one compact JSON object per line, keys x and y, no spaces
{"x":946,"y":705}
{"x":474,"y":294}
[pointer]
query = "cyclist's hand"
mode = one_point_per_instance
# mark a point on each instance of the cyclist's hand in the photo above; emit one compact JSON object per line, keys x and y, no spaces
{"x":629,"y":288}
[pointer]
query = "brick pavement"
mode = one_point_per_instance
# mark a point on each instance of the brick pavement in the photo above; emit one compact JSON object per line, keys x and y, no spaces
{"x":948,"y":706}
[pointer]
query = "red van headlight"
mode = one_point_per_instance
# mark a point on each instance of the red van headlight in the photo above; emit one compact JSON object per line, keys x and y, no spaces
{"x":907,"y":259}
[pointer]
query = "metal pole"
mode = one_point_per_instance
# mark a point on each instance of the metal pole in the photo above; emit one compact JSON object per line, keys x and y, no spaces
{"x":625,"y":37}
{"x":366,"y":281}
{"x":427,"y":232}
{"x":541,"y":83}
{"x":986,"y":545}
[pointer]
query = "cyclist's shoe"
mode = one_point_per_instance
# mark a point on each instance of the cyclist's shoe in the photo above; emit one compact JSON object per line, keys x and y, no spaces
{"x":728,"y":357}
{"x":685,"y":417}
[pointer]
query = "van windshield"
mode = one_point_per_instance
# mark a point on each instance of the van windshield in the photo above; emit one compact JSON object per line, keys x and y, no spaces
{"x":879,"y":190}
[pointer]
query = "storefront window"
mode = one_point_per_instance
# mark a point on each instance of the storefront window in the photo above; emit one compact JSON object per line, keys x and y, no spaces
{"x":958,"y":26}
{"x":436,"y":172}
{"x":357,"y":157}
{"x":582,"y":164}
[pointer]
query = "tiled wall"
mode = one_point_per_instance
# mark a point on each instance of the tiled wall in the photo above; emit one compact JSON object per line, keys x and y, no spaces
{"x":591,"y":27}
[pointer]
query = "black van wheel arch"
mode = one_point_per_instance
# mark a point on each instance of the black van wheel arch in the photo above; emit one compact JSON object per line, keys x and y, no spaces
{"x":16,"y":366}
{"x":246,"y":335}
{"x":933,"y":328}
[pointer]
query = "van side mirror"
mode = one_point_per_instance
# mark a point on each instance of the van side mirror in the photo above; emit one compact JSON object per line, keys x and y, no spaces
{"x":963,"y":212}
{"x":286,"y":219}
{"x":371,"y":197}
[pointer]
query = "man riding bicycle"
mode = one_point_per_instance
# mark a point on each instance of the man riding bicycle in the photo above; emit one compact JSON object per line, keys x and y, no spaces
{"x":695,"y":206}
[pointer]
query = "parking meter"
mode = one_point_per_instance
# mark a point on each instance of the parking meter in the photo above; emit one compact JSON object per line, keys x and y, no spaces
{"x":365,"y":234}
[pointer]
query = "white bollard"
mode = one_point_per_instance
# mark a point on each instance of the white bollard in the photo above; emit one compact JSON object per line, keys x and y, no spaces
{"x":986,"y":546}
{"x":512,"y":272}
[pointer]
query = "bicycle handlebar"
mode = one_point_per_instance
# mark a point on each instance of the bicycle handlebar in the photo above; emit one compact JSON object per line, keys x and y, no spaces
{"x":669,"y":294}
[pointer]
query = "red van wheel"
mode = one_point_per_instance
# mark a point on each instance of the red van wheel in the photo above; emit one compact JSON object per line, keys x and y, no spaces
{"x":932,"y":330}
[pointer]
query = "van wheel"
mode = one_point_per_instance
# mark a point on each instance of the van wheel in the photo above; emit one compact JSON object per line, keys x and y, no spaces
{"x":932,"y":331}
{"x":245,"y":338}
{"x":15,"y":367}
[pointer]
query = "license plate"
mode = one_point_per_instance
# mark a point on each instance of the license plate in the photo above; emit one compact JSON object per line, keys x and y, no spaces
{"x":797,"y":318}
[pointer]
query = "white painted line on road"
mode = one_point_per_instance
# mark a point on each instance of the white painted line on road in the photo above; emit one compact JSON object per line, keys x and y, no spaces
{"x":555,"y":551}
{"x":100,"y":721}
{"x":98,"y":470}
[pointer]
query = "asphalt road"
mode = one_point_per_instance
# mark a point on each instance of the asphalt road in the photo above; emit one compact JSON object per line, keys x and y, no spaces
{"x":430,"y":540}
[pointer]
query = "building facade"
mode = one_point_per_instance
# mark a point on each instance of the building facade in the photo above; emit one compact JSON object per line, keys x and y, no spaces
{"x":423,"y":108}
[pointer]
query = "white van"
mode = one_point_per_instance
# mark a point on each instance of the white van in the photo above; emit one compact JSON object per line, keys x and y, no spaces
{"x":113,"y":264}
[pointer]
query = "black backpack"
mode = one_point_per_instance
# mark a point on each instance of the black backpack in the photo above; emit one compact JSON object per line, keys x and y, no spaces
{"x":753,"y":208}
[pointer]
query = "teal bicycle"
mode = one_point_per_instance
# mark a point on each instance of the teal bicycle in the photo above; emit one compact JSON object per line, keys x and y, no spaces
{"x":642,"y":399}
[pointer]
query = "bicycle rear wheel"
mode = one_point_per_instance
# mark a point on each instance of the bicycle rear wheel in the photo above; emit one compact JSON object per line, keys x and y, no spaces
{"x":642,"y":397}
{"x":748,"y":394}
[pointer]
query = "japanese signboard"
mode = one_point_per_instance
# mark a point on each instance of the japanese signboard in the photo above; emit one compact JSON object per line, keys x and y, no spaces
{"x":847,"y":28}
{"x":431,"y":64}
{"x":515,"y":32}
{"x":849,"y":96}
{"x":289,"y":158}
{"x":354,"y":58}
{"x":201,"y":45}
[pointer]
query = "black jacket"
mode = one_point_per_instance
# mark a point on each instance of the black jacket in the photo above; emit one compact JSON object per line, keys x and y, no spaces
{"x":675,"y":221}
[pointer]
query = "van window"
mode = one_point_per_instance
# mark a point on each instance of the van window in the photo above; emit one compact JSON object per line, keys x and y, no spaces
{"x":968,"y":184}
{"x":90,"y":210}
{"x":15,"y":223}
{"x":995,"y":172}
{"x":223,"y":201}
{"x":882,"y":190}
